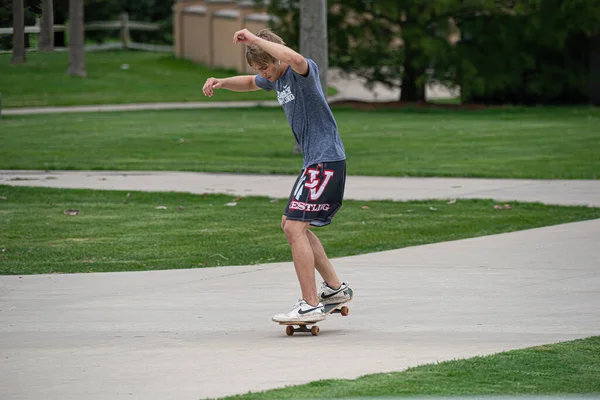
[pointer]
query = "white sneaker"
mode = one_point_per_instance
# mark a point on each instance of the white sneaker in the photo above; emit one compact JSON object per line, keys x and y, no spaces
{"x":328,"y":295}
{"x":302,"y":312}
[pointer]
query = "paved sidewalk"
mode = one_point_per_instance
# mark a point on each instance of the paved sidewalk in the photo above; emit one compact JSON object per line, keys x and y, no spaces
{"x":564,"y":192}
{"x":139,"y":107}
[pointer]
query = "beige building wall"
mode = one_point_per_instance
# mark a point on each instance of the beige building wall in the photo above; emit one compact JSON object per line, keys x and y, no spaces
{"x":216,"y":5}
{"x":203,"y":31}
{"x":196,"y":28}
{"x":178,"y":36}
{"x":226,"y":54}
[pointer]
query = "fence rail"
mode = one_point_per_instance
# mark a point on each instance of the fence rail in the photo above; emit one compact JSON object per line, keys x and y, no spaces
{"x":31,"y":29}
{"x":124,"y":25}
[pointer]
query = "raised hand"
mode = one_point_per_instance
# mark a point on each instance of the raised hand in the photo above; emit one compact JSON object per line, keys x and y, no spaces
{"x":210,"y":85}
{"x":244,"y":36}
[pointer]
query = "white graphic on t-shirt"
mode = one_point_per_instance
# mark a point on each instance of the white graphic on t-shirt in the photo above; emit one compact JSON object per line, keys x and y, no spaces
{"x":285,"y":96}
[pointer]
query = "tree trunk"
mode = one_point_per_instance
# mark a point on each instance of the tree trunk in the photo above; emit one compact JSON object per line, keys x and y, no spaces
{"x":18,"y":53}
{"x":313,"y":40}
{"x":59,"y":39}
{"x":313,"y":35}
{"x":76,"y":39}
{"x":46,"y":39}
{"x":411,"y":91}
{"x":594,"y":87}
{"x":59,"y":36}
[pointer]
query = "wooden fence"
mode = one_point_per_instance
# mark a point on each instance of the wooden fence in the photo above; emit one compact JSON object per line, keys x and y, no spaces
{"x":124,"y":25}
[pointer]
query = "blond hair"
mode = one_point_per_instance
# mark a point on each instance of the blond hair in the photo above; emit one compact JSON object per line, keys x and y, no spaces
{"x":255,"y":56}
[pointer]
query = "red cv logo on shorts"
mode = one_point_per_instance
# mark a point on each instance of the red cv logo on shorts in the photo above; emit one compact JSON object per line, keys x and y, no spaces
{"x":316,"y":186}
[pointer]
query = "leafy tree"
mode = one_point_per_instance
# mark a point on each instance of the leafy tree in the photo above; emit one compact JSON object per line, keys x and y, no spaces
{"x":108,"y":10}
{"x":526,"y":51}
{"x":403,"y":43}
{"x":159,"y":11}
{"x":139,"y":10}
{"x":6,"y":20}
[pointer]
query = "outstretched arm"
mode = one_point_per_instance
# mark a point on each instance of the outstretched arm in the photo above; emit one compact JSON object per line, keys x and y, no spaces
{"x":279,"y":51}
{"x":242,"y":83}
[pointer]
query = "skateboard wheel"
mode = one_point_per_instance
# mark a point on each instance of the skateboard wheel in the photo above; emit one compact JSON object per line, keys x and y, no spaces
{"x":314,"y":330}
{"x":289,"y":330}
{"x":344,"y":311}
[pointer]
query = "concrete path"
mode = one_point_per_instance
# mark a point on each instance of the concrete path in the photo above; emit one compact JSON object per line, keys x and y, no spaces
{"x":139,"y":107}
{"x":189,"y":334}
{"x":353,"y":87}
{"x":565,"y":192}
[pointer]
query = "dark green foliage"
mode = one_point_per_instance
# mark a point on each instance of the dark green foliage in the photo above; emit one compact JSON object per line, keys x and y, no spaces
{"x":529,"y":53}
{"x":526,"y":52}
{"x":99,"y":10}
{"x":6,"y":20}
{"x":139,"y":10}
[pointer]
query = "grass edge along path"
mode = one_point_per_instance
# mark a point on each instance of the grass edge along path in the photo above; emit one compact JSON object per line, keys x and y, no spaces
{"x":571,"y":367}
{"x":143,"y":231}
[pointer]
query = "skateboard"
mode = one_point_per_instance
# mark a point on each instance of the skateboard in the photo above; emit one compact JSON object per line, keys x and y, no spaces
{"x":334,"y":308}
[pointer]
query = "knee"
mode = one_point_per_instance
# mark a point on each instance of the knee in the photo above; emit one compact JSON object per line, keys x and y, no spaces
{"x":288,"y":231}
{"x":293,"y":230}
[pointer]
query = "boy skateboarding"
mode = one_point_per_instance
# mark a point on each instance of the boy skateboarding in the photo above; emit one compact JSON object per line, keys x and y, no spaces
{"x":318,"y":192}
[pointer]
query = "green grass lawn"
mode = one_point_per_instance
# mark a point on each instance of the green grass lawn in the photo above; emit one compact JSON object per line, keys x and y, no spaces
{"x":151,"y":78}
{"x":454,"y":100}
{"x":116,"y":232}
{"x":569,"y":368}
{"x":546,"y":143}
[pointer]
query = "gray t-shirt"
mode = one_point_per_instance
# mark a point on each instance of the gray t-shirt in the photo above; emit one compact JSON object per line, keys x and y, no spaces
{"x":308,"y":114}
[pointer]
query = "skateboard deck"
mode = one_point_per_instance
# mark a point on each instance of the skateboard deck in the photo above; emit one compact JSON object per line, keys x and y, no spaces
{"x":334,"y":308}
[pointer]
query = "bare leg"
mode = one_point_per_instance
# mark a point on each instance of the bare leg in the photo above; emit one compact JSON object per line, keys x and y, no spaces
{"x":322,"y":262}
{"x":304,"y":259}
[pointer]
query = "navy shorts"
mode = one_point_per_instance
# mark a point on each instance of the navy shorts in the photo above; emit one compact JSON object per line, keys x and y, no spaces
{"x":317,"y":194}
